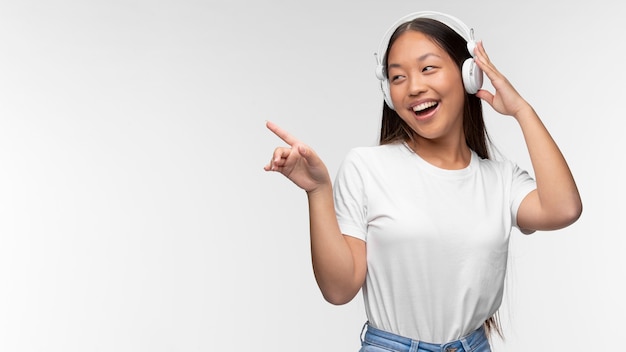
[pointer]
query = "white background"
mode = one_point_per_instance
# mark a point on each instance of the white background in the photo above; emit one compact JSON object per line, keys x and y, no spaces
{"x":134,"y":211}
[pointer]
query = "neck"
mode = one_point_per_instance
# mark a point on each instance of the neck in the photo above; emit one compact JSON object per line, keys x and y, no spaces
{"x":445,"y":155}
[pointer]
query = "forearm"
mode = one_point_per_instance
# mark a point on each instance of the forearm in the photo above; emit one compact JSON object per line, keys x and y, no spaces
{"x":556,"y":188}
{"x":333,"y":261}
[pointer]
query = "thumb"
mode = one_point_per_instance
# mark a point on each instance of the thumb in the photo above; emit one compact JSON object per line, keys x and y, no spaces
{"x":485,"y":95}
{"x":304,"y":151}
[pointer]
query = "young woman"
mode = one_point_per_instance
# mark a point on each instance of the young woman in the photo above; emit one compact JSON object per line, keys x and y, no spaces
{"x":421,"y":223}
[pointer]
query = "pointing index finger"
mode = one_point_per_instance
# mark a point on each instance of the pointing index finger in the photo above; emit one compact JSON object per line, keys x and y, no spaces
{"x":282,"y":134}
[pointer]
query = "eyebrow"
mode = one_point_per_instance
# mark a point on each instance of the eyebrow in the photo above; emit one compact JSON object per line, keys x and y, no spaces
{"x":421,"y":58}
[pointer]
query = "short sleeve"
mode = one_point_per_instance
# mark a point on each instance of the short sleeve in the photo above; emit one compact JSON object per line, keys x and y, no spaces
{"x":350,"y":198}
{"x":521,"y":185}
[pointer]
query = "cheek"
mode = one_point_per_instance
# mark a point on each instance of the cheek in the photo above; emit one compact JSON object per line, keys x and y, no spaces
{"x":457,"y":78}
{"x":451,"y":81}
{"x":452,"y":89}
{"x":396,"y":92}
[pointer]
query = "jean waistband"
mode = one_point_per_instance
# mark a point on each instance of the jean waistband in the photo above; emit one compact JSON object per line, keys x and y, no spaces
{"x":399,"y":343}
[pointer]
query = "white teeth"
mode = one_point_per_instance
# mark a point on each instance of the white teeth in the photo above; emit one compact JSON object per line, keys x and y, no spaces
{"x":423,"y":106}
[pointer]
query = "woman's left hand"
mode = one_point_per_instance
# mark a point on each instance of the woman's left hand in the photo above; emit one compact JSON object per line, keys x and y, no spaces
{"x":505,"y":100}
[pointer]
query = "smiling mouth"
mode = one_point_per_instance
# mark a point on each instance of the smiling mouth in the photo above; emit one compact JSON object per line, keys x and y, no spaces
{"x":424,"y":108}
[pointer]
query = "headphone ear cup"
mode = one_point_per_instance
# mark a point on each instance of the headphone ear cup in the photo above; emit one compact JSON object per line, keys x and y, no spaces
{"x":384,"y":85}
{"x":472,"y":76}
{"x":471,"y":45}
{"x":380,"y":74}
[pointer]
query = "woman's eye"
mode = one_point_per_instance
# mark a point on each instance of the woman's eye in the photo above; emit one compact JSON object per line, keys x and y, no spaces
{"x":428,"y":68}
{"x":395,"y":78}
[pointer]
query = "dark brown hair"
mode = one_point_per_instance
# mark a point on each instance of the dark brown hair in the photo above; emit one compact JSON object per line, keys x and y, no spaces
{"x":394,"y":129}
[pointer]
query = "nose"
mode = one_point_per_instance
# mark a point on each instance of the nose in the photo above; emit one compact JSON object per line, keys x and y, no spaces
{"x":416,"y":85}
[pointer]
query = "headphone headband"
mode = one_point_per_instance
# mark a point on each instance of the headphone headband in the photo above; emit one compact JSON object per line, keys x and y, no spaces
{"x":454,"y":23}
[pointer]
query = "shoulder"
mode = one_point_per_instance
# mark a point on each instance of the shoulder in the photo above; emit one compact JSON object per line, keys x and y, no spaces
{"x":378,"y":152}
{"x":371,"y":160}
{"x":506,"y":170}
{"x":502,"y":165}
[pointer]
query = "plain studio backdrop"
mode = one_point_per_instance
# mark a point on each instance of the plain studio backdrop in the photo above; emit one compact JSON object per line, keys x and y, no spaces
{"x":134,"y":211}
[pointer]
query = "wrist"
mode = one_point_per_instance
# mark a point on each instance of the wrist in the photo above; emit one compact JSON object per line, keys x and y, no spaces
{"x":524,"y":111}
{"x":320,"y":189}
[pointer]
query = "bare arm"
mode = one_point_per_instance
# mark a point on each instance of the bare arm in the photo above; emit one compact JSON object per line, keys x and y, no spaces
{"x":339,"y":261}
{"x":556,"y":202}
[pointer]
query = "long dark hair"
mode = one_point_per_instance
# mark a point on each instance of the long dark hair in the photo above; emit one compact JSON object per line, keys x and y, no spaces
{"x":394,"y":129}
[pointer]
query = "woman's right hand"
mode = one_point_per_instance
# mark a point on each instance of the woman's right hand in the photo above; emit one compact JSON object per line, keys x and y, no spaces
{"x":298,"y":162}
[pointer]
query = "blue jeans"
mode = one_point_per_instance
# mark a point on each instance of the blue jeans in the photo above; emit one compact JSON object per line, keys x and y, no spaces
{"x":376,"y":340}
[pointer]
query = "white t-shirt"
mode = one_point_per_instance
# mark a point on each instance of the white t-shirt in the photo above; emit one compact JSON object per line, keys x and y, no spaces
{"x":437,"y":240}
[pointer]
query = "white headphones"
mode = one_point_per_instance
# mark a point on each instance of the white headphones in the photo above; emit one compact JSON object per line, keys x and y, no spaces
{"x":472,"y":74}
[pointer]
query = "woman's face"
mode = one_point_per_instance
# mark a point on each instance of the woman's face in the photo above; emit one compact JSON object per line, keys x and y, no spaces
{"x":426,"y":87}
